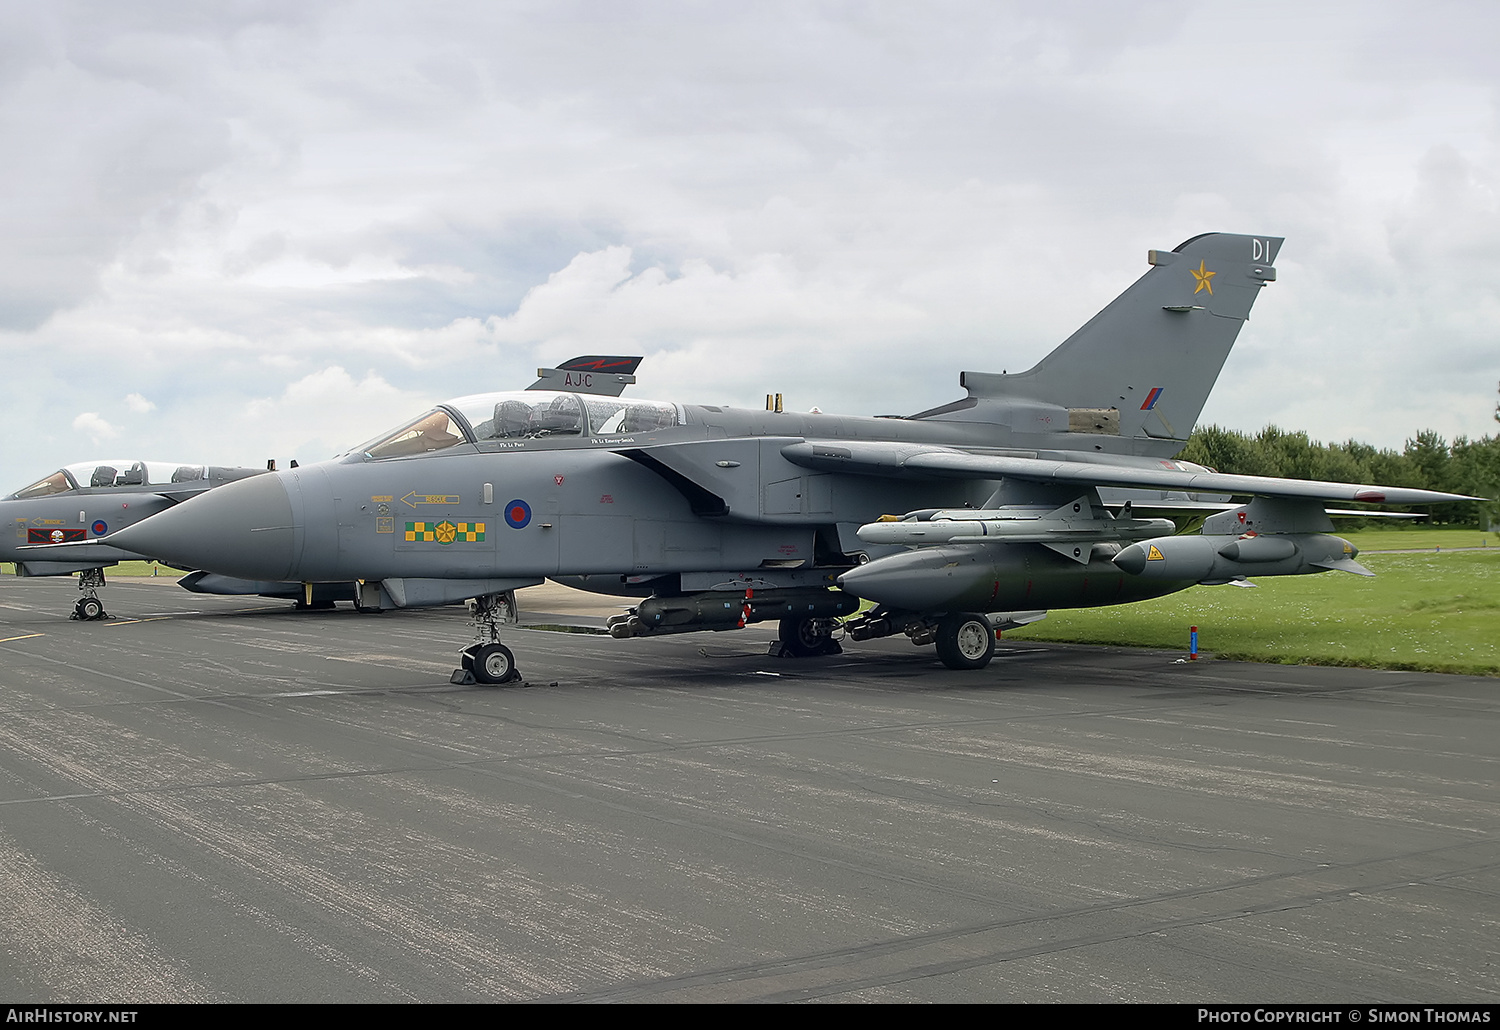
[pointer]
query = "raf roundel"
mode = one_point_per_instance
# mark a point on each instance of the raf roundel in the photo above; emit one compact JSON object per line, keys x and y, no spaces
{"x":517,"y":514}
{"x":99,"y":527}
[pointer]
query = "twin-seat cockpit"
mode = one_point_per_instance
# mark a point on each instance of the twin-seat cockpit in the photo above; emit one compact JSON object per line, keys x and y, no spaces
{"x":486,"y":418}
{"x":112,"y":472}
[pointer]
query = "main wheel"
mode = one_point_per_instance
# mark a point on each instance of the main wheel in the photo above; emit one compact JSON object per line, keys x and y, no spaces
{"x":965,"y":641}
{"x":493,"y":663}
{"x":90,"y":608}
{"x":805,"y":637}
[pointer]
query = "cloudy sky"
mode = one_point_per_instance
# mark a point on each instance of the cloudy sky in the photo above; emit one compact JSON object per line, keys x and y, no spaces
{"x":240,"y":230}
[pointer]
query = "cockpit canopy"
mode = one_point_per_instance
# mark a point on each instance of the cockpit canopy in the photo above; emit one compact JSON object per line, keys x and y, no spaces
{"x":110,"y":472}
{"x":522,"y":415}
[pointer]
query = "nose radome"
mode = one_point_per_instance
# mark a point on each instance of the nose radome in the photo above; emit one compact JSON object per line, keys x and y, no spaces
{"x":242,"y":529}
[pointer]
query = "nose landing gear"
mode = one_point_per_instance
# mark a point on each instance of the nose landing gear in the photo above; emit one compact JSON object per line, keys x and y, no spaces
{"x":88,"y":607}
{"x":487,"y":660}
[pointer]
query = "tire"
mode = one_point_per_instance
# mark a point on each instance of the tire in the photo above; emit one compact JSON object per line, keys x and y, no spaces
{"x":493,"y":663}
{"x":965,"y":641}
{"x":805,"y":637}
{"x":90,"y":608}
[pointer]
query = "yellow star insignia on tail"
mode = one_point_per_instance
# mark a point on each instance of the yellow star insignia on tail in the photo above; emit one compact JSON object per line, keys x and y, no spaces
{"x":1203,"y":275}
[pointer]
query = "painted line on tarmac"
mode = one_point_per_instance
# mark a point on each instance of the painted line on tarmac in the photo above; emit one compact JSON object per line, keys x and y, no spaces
{"x":24,"y":636}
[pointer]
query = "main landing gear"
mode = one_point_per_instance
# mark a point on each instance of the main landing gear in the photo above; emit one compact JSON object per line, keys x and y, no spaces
{"x":88,"y":607}
{"x":965,"y":641}
{"x":805,"y":638}
{"x":487,"y":660}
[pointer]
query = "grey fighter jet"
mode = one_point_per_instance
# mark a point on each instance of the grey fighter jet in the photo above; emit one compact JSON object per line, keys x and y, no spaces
{"x":83,"y":502}
{"x":715,"y":517}
{"x":112,"y":494}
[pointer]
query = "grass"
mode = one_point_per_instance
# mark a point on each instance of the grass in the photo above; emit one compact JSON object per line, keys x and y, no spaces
{"x":142,"y":568}
{"x":1403,"y":538}
{"x":1429,"y":612}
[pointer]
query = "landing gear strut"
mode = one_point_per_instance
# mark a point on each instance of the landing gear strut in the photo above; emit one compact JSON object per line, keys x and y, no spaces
{"x":88,"y":608}
{"x":487,"y":660}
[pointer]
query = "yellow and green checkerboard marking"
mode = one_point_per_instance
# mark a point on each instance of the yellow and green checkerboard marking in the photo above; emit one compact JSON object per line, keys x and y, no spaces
{"x":445,"y":532}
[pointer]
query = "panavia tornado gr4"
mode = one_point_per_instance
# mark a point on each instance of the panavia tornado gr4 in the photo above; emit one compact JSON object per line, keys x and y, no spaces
{"x":79,"y":504}
{"x":716,"y":517}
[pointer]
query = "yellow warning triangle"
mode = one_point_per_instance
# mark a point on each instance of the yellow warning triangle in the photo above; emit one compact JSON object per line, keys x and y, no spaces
{"x":1154,"y":554}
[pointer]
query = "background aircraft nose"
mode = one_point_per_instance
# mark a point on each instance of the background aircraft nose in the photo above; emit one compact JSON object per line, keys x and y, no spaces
{"x":241,"y":529}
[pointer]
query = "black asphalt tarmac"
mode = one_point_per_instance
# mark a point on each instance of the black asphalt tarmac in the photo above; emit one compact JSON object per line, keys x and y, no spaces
{"x":218,"y":799}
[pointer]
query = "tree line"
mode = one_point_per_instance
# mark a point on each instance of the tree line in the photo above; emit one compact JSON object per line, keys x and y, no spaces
{"x":1427,"y":462}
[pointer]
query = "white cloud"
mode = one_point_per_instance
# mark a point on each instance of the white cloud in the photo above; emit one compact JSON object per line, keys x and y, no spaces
{"x":95,"y":427}
{"x":325,"y":413}
{"x":138,"y":404}
{"x":846,"y":202}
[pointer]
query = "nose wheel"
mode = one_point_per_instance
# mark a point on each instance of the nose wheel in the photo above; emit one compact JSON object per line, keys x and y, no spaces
{"x":489,"y":663}
{"x":89,"y":608}
{"x":487,"y":660}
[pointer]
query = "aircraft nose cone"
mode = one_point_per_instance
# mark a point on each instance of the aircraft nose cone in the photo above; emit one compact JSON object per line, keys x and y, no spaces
{"x":242,"y":529}
{"x":1132,"y":559}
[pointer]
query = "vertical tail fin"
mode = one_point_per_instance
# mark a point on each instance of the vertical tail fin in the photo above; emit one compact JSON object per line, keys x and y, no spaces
{"x":1141,"y":369}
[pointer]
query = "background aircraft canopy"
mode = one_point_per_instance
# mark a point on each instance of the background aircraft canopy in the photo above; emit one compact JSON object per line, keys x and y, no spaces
{"x":110,"y":472}
{"x":521,"y":415}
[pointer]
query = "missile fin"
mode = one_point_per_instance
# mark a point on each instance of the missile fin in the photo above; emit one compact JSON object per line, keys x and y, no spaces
{"x":1078,"y":552}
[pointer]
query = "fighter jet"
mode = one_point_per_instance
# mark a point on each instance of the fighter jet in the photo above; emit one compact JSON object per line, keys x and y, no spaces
{"x":955,"y":521}
{"x":83,"y":502}
{"x":112,"y":494}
